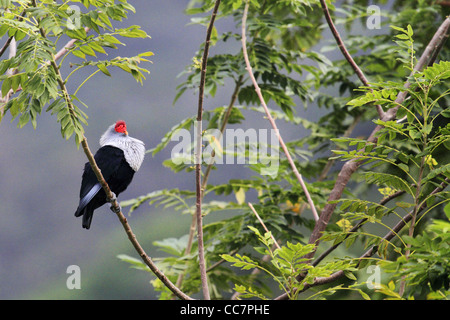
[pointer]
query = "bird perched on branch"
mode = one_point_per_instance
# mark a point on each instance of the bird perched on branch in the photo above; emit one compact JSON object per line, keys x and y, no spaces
{"x":119,"y":157}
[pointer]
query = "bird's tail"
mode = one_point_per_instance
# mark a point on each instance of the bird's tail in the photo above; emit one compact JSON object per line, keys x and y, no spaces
{"x":87,"y":214}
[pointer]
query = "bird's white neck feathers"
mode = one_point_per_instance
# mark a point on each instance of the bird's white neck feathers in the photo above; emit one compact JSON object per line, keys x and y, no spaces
{"x":133,"y":149}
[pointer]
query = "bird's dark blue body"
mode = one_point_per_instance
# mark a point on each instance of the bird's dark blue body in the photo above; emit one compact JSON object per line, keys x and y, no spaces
{"x":117,"y":173}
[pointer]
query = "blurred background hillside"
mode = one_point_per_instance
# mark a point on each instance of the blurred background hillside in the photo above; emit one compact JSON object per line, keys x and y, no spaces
{"x":40,"y":173}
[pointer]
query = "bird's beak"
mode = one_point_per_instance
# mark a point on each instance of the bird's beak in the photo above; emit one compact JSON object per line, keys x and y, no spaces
{"x":126,"y":132}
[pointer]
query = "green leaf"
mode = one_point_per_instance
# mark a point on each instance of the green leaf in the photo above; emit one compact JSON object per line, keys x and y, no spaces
{"x":403,"y":166}
{"x":240,"y":196}
{"x":243,"y":262}
{"x":447,"y":210}
{"x":79,"y":54}
{"x":390,"y":180}
{"x":103,"y":69}
{"x":105,"y":19}
{"x":184,"y":124}
{"x":23,"y":119}
{"x":409,"y":30}
{"x":364,"y":295}
{"x":350,"y":275}
{"x":87,"y":50}
{"x":95,"y":46}
{"x":6,"y":86}
{"x":135,"y":263}
{"x":173,"y":246}
{"x":237,"y":4}
{"x":146,"y":54}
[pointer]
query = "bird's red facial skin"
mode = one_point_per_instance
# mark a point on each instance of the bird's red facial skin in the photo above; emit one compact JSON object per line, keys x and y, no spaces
{"x":121,"y":127}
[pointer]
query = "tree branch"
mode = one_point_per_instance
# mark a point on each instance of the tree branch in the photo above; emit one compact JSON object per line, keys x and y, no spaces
{"x":8,"y":41}
{"x":208,"y":171}
{"x":264,"y":226}
{"x":6,"y":45}
{"x":11,"y":43}
{"x":345,"y":52}
{"x":269,"y":116}
{"x":67,"y":46}
{"x":198,"y":155}
{"x":4,"y":100}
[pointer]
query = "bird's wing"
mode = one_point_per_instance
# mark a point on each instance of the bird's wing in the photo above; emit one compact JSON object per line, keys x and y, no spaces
{"x":88,"y":197}
{"x":108,"y":159}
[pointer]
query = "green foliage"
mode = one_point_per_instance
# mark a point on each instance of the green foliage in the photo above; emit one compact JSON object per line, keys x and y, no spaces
{"x":33,"y":71}
{"x":426,"y":270}
{"x":169,"y":198}
{"x":287,"y":265}
{"x":408,"y":162}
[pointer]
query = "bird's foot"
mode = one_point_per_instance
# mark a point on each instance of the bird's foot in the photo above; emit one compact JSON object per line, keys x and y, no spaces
{"x":112,"y":200}
{"x":116,"y":209}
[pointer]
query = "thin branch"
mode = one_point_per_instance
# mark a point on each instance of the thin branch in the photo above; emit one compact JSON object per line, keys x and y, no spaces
{"x":264,"y":226}
{"x":68,"y":46}
{"x":352,"y":165}
{"x":192,"y":228}
{"x":12,"y":44}
{"x":224,"y":124}
{"x":198,"y":155}
{"x":218,"y":263}
{"x":6,"y":45}
{"x":8,"y":41}
{"x":10,"y":72}
{"x":269,"y":116}
{"x":345,"y":52}
{"x":412,"y":226}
